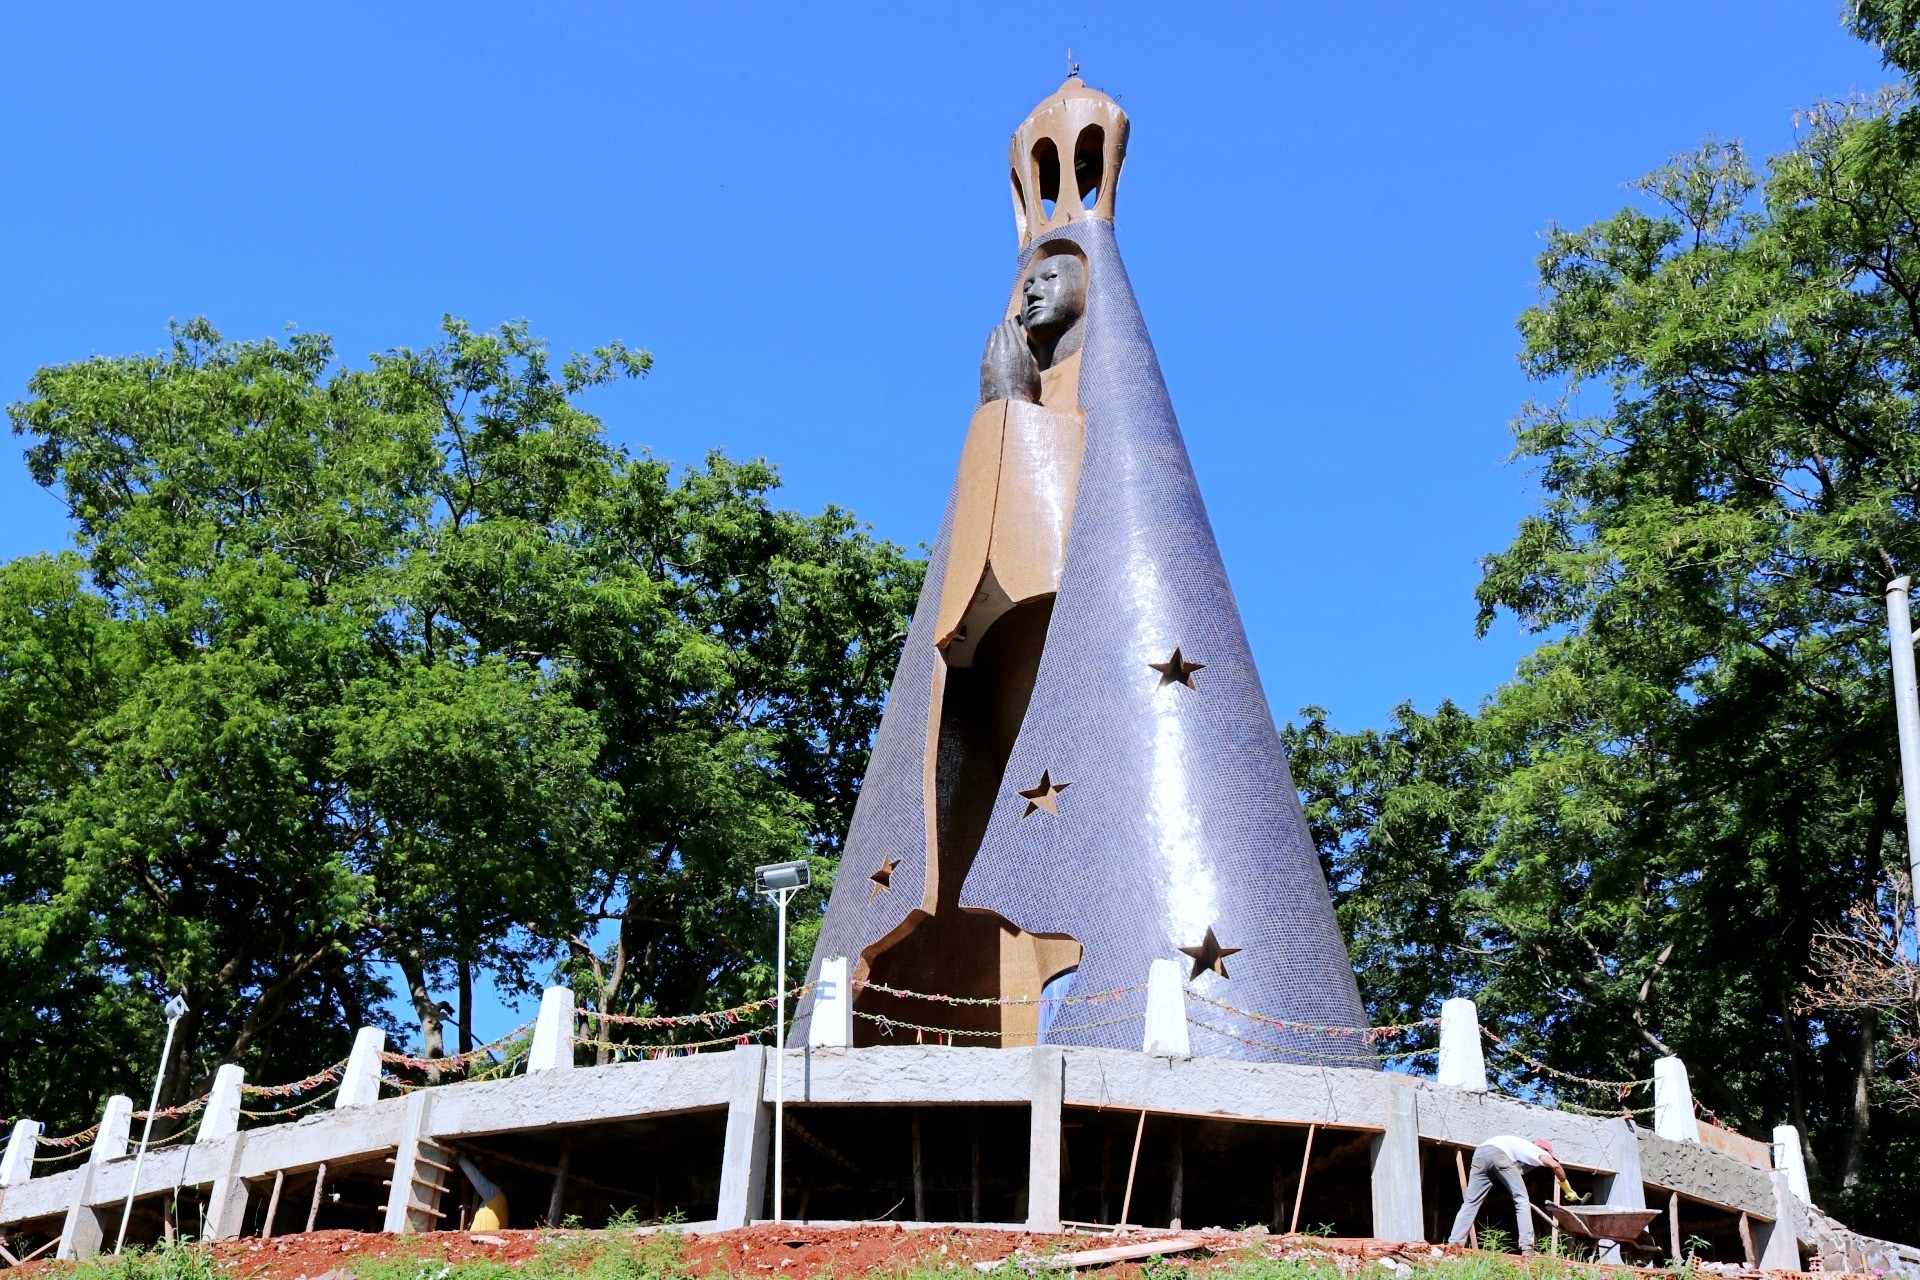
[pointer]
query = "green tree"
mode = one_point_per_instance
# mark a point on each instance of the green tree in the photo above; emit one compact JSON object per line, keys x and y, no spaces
{"x":737,"y":731}
{"x":397,"y":665}
{"x":1638,"y":844}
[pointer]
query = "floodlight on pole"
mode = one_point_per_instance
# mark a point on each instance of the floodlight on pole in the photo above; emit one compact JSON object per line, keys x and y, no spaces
{"x":175,"y":1008}
{"x":780,"y":881}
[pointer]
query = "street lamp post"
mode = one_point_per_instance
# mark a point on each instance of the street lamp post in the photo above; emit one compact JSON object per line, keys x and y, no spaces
{"x":1907,"y":718}
{"x":780,"y":881}
{"x":174,"y":1008}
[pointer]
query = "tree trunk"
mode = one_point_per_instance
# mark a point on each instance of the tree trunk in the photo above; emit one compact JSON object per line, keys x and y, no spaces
{"x":466,"y":1005}
{"x":176,"y":1080}
{"x":415,"y":972}
{"x":1858,"y":1109}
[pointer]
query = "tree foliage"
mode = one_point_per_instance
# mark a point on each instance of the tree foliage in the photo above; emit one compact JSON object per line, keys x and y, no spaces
{"x":402,"y":669}
{"x":1634,"y":845}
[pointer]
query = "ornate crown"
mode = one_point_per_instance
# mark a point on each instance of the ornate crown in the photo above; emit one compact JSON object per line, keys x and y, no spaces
{"x":1078,"y":124}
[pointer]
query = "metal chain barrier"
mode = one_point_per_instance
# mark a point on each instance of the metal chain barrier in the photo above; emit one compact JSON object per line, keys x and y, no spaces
{"x":1091,"y":997}
{"x":655,"y":1052}
{"x":709,"y":1020}
{"x":455,"y":1061}
{"x":171,"y":1113}
{"x":281,"y":1113}
{"x":324,"y":1076}
{"x":1618,"y":1087}
{"x":1371,"y":1035}
{"x":1369,"y":1059}
{"x":84,"y":1136}
{"x":888,"y":1024}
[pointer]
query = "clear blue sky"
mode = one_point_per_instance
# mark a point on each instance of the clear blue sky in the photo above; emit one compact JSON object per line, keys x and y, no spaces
{"x":1330,"y":213}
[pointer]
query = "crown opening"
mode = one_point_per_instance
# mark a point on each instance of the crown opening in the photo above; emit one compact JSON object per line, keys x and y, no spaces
{"x":1046,"y":176}
{"x":1078,"y":127}
{"x":1089,"y":163}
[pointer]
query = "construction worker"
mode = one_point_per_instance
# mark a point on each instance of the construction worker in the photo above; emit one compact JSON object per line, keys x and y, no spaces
{"x":1502,"y":1157}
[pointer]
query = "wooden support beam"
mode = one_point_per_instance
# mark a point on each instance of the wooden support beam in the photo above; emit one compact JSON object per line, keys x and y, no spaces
{"x":1126,"y":1201}
{"x":973,"y":1170}
{"x":1300,"y":1188}
{"x":273,"y":1204}
{"x":1553,"y":1238}
{"x":319,"y":1187}
{"x":1460,"y":1163}
{"x":919,"y":1179}
{"x":557,"y":1202}
{"x":1176,"y":1203}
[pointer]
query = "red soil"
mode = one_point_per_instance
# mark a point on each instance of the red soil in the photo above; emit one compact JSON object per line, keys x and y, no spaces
{"x":763,"y":1251}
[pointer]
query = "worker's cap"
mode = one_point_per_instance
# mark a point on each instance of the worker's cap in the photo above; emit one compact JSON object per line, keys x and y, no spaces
{"x":1544,"y":1145}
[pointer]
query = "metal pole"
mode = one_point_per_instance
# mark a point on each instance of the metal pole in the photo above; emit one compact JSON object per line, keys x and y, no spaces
{"x":1907,"y":715}
{"x":146,"y":1132}
{"x":780,"y":1065}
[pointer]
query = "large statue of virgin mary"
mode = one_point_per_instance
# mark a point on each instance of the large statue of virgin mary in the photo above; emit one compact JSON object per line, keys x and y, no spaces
{"x":1077,"y":772}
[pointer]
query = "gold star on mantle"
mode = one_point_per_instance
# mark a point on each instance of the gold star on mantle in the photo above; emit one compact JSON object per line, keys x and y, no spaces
{"x":1209,"y":955}
{"x":1177,"y":670}
{"x":883,"y":878}
{"x":1045,"y":796}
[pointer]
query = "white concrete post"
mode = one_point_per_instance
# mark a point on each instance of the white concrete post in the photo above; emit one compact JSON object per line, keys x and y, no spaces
{"x":221,"y":1119}
{"x":1673,"y":1116}
{"x":1166,"y":1012}
{"x":225,"y":1211}
{"x":360,"y":1082}
{"x":832,"y":1025}
{"x":17,"y":1165}
{"x":84,"y":1229}
{"x":749,"y":1134}
{"x":1048,"y":1081}
{"x":1623,"y":1188}
{"x":115,"y":1123}
{"x":1397,"y":1211}
{"x":553,"y":1033}
{"x":1789,"y":1158}
{"x":1779,"y":1241}
{"x":1463,"y":1064}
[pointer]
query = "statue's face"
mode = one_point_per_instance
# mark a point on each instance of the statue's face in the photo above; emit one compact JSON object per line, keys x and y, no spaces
{"x":1054,"y":293}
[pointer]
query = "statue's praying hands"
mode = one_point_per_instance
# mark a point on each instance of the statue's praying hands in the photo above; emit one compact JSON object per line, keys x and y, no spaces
{"x":1009,"y":371}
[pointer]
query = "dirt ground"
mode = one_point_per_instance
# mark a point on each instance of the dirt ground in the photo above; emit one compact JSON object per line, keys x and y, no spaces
{"x":788,"y":1249}
{"x":766,"y":1250}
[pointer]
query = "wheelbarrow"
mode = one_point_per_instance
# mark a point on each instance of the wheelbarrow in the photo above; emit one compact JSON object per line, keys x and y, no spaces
{"x":1605,"y":1224}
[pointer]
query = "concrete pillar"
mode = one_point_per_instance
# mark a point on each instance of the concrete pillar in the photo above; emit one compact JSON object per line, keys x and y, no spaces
{"x":1463,"y":1063}
{"x":221,"y":1119}
{"x":743,"y":1154}
{"x":17,"y":1165}
{"x":1779,"y":1241}
{"x":226,"y":1208}
{"x":419,"y":1169}
{"x":1673,"y":1117}
{"x":1397,"y":1211}
{"x":1166,"y":1011}
{"x":1625,"y":1187}
{"x":832,"y":1025}
{"x":1791,"y":1159}
{"x":116,"y":1122}
{"x":360,"y":1082}
{"x":83,"y":1229}
{"x":1049,"y":1078}
{"x":553,"y":1033}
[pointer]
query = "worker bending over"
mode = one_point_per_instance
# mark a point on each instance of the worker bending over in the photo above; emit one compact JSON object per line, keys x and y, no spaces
{"x":1501,"y":1157}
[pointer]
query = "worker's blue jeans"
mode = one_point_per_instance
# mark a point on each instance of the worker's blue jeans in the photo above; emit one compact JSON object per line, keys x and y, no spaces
{"x":1489,"y":1163}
